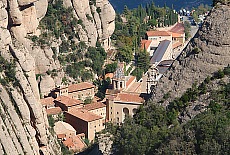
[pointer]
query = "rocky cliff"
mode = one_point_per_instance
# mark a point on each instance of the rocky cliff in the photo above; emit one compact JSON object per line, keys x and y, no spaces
{"x":23,"y":121}
{"x":207,"y":52}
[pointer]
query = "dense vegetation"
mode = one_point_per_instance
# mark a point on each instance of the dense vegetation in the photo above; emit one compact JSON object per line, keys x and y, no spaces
{"x":155,"y":130}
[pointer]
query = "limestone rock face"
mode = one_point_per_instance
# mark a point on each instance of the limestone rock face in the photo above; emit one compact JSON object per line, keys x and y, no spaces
{"x":41,"y":8}
{"x":213,"y":42}
{"x":23,"y":120}
{"x":98,"y":20}
{"x":47,"y":83}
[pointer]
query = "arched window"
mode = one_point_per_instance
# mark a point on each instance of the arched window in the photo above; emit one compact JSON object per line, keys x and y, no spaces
{"x":126,"y":111}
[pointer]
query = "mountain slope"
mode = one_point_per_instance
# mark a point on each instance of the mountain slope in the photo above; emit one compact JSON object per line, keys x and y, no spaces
{"x":208,"y":52}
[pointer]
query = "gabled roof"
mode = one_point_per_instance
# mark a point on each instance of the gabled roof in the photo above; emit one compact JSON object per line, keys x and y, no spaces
{"x":157,"y":33}
{"x":145,"y":44}
{"x":68,"y":101}
{"x":80,"y":86}
{"x":47,"y":101}
{"x":129,"y":97}
{"x":178,"y":28}
{"x":93,"y":106}
{"x":84,"y":114}
{"x":53,"y":111}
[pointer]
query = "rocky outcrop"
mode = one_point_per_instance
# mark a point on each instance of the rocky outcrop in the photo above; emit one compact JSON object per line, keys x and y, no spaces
{"x":98,"y":20}
{"x":23,"y":121}
{"x":208,"y":52}
{"x":24,"y":125}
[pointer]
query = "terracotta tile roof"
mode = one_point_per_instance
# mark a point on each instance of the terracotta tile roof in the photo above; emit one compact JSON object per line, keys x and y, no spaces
{"x":47,"y":101}
{"x":178,"y":28}
{"x":129,"y":97}
{"x":60,"y":136}
{"x":84,"y":114}
{"x":145,"y":44}
{"x":53,"y":111}
{"x":95,"y":105}
{"x":68,"y":143}
{"x":131,"y":79}
{"x":176,"y":44}
{"x":110,"y":75}
{"x":74,"y":143}
{"x":68,"y":101}
{"x":157,"y":33}
{"x":80,"y":86}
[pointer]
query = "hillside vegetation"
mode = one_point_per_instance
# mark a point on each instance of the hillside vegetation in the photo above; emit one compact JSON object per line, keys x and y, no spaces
{"x":155,"y":130}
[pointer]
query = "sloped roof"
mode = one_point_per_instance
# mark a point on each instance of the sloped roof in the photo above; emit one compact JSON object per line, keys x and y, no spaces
{"x":84,"y":114}
{"x":145,"y":44}
{"x":47,"y":101}
{"x":129,"y":97}
{"x":130,"y":80}
{"x":178,"y":28}
{"x":68,"y":101}
{"x":157,"y":33}
{"x":80,"y":86}
{"x":53,"y":111}
{"x":176,"y":44}
{"x":95,"y":105}
{"x":160,"y":51}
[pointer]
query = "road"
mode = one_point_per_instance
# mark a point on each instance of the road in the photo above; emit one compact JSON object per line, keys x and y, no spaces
{"x":193,"y":31}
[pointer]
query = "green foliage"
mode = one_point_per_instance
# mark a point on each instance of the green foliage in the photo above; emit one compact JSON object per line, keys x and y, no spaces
{"x":155,"y":130}
{"x":187,"y":29}
{"x":8,"y":68}
{"x":97,"y":55}
{"x":51,"y":121}
{"x":88,"y":100}
{"x":125,"y":54}
{"x":138,"y":72}
{"x":110,"y":68}
{"x":102,"y":86}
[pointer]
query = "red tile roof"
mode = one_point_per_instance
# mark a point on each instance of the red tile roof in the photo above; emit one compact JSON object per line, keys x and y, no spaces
{"x":53,"y":111}
{"x":60,"y":136}
{"x":95,"y":105}
{"x":74,"y":143}
{"x":68,"y":143}
{"x":84,"y":114}
{"x":131,"y":79}
{"x":178,"y":28}
{"x":68,"y":101}
{"x":129,"y":97}
{"x":47,"y":101}
{"x":157,"y":33}
{"x":145,"y":44}
{"x":80,"y":86}
{"x":176,"y":44}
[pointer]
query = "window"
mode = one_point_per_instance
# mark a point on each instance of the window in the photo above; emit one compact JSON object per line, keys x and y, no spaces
{"x":111,"y":107}
{"x":117,"y":112}
{"x":111,"y":112}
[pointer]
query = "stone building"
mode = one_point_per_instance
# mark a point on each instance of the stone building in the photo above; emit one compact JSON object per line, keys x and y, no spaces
{"x":124,"y":96}
{"x":65,"y":102}
{"x":79,"y":91}
{"x":85,"y":122}
{"x":121,"y":105}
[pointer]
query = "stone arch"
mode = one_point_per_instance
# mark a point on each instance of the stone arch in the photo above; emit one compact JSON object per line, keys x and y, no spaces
{"x":126,"y":111}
